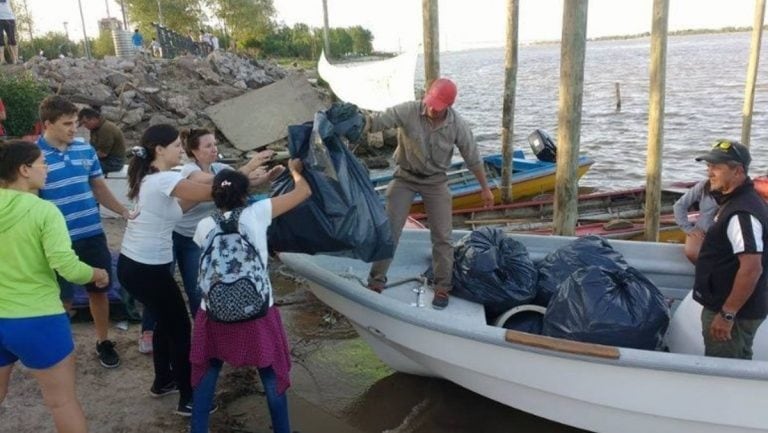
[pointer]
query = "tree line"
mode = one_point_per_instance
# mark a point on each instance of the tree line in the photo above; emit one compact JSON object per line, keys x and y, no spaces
{"x":246,"y":25}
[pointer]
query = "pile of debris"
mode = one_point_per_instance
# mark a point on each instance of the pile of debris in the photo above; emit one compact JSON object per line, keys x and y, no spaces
{"x":138,"y":92}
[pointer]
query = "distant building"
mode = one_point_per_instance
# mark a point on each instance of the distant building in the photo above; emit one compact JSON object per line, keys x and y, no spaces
{"x":109,"y":24}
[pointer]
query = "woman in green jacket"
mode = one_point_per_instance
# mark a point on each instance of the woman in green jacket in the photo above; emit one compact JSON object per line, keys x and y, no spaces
{"x":34,"y":328}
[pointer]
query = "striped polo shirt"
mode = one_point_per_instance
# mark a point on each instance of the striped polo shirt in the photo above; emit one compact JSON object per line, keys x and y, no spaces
{"x":68,"y":186}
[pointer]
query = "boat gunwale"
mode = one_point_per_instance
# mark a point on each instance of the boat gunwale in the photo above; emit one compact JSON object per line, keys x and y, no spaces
{"x":627,"y":357}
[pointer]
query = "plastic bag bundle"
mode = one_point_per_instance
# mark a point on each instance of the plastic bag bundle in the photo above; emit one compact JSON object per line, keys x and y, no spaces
{"x":344,"y":216}
{"x":493,"y":269}
{"x":582,"y":252}
{"x":608,"y":306}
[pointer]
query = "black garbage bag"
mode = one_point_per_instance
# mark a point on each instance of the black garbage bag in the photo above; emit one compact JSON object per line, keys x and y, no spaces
{"x":560,"y":264}
{"x":344,"y":216}
{"x":493,"y":269}
{"x":613,"y":307}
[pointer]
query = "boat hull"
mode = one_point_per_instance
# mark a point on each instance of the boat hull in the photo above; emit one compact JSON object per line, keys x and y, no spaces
{"x":635,"y":391}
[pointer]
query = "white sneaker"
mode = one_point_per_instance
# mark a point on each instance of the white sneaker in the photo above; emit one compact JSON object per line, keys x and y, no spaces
{"x":145,"y":342}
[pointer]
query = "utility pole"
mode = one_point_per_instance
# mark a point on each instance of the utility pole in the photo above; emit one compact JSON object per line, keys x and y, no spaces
{"x":326,"y":31}
{"x":431,"y":25}
{"x":85,"y":35}
{"x":66,"y":29}
{"x":160,"y":13}
{"x":656,"y":99}
{"x":125,"y":23}
{"x":508,"y":104}
{"x":106,"y":3}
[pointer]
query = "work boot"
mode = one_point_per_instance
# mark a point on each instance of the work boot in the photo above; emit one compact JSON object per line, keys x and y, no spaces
{"x":441,"y":299}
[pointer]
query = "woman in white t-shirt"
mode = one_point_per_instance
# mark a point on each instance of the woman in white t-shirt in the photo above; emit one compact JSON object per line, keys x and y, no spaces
{"x":261,"y":342}
{"x":200,"y":146}
{"x":144,"y":265}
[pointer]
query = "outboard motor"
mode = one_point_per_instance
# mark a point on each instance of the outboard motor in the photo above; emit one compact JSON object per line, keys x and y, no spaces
{"x":542,"y":146}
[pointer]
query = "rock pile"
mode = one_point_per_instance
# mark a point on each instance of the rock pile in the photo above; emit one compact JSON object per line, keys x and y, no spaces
{"x":138,"y":92}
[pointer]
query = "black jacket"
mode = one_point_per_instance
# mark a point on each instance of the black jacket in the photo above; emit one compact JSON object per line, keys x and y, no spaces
{"x":717,"y":264}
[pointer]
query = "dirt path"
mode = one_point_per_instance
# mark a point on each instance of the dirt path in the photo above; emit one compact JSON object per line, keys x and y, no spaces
{"x":117,"y":400}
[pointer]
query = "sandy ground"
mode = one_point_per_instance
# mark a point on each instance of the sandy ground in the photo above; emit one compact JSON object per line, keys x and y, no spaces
{"x":117,"y":400}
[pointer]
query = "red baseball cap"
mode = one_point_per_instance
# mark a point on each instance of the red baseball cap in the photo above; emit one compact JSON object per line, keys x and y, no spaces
{"x":441,"y":94}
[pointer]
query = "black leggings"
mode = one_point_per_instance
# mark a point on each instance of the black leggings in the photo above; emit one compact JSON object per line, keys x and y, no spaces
{"x":154,"y":286}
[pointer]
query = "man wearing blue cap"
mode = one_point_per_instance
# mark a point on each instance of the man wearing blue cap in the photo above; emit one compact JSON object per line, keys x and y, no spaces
{"x":731,"y":275}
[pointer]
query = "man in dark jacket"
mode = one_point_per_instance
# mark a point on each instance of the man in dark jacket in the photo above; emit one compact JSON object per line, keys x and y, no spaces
{"x":731,"y":270}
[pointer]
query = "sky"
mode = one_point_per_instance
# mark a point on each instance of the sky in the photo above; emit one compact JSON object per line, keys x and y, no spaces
{"x":396,"y":24}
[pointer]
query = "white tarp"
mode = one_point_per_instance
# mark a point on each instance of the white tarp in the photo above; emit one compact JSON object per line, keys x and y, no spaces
{"x":373,"y":85}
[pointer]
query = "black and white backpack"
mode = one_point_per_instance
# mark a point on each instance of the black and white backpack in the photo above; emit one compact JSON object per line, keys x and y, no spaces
{"x":233,"y":279}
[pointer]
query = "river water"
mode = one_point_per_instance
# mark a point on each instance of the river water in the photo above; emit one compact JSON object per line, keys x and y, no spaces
{"x":706,"y":75}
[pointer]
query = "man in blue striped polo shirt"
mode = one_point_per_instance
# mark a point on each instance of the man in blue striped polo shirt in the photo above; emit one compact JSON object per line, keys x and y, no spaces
{"x":75,"y":184}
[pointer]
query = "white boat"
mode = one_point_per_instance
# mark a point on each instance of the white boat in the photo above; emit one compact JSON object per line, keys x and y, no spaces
{"x":593,"y":387}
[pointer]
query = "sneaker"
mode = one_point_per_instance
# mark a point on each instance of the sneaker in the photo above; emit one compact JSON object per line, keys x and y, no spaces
{"x":160,"y":391}
{"x":107,"y":354}
{"x":185,"y":409}
{"x":145,"y":342}
{"x":440,"y":300}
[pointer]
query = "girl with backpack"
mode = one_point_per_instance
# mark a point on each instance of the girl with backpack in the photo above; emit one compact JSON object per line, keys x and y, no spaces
{"x":144,"y":265}
{"x":248,"y":332}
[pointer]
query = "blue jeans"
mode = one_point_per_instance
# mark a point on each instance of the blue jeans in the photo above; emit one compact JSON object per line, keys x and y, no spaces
{"x":187,"y":254}
{"x":203,"y":399}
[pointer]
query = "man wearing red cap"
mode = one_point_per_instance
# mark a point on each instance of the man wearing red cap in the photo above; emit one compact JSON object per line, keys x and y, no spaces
{"x":427,"y":132}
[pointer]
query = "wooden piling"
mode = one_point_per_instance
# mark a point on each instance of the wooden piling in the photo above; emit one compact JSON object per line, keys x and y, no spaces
{"x":618,"y":97}
{"x":508,"y":104}
{"x":653,"y":167}
{"x":326,"y":31}
{"x":572,"y":53}
{"x":754,"y":61}
{"x":431,"y":26}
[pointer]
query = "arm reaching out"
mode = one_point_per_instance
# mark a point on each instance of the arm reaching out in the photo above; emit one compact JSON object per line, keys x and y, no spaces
{"x":301,"y":191}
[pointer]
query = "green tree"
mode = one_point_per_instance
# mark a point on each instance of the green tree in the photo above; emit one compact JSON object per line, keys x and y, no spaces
{"x":21,"y":95}
{"x":24,"y":22}
{"x":341,"y":42}
{"x":178,"y":15}
{"x":103,"y":45}
{"x":362,"y":40}
{"x":248,"y":22}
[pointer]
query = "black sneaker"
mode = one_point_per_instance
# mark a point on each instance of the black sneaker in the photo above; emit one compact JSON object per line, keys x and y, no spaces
{"x":185,"y":409}
{"x":161,"y":391}
{"x":107,"y":354}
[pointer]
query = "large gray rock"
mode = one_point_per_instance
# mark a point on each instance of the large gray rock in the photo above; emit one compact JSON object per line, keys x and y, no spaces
{"x":262,"y":116}
{"x":133,"y":117}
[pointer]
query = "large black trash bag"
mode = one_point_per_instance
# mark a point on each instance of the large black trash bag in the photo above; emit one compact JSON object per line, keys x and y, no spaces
{"x":493,"y":269}
{"x":613,"y":307}
{"x":344,"y":216}
{"x":560,"y":264}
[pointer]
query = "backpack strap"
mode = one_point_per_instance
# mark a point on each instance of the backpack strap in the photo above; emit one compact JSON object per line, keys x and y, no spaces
{"x":230,"y":224}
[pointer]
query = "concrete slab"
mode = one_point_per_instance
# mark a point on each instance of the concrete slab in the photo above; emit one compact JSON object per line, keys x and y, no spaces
{"x":262,"y":116}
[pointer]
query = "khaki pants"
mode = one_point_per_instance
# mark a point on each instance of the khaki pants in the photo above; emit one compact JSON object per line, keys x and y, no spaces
{"x":438,"y":203}
{"x":740,"y":344}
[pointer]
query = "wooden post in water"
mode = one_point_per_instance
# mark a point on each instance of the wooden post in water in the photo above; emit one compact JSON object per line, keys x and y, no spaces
{"x":508,"y":105}
{"x":572,"y":52}
{"x":656,"y":118}
{"x":754,"y":61}
{"x":431,"y":26}
{"x":326,"y":31}
{"x":618,"y":97}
